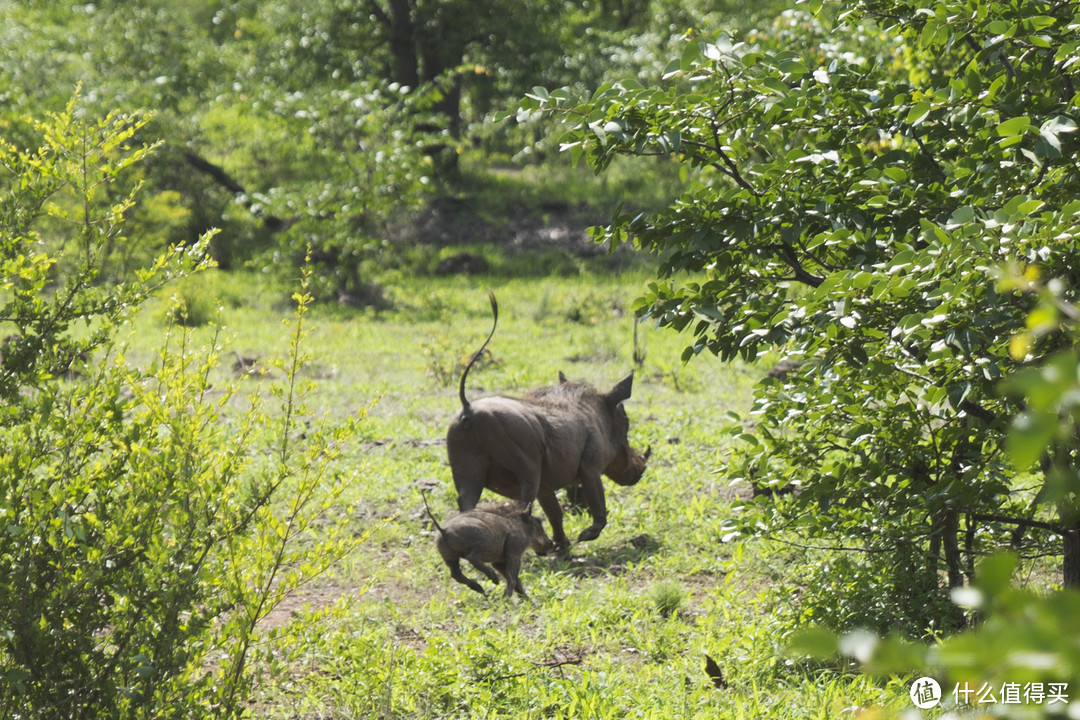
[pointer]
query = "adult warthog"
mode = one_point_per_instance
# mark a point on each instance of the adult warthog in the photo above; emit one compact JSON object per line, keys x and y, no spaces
{"x":527,"y":448}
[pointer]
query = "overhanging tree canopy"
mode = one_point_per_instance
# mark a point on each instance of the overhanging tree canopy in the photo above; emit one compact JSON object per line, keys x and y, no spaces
{"x":867,"y":172}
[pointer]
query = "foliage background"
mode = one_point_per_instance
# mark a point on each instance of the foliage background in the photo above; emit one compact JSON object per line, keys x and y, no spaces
{"x":882,"y":194}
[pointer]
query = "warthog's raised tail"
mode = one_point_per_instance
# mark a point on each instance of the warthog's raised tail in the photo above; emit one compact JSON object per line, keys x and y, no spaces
{"x":476,"y":356}
{"x":423,"y":494}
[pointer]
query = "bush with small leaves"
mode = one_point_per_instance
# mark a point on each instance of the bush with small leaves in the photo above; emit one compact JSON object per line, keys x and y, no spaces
{"x":144,"y":537}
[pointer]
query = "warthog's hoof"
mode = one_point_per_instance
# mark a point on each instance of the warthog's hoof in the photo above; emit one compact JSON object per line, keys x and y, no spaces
{"x":590,"y":533}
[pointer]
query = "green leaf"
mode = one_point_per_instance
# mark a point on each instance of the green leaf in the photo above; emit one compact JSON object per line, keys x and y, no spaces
{"x":1039,"y":22}
{"x":599,"y":131}
{"x":796,"y":68}
{"x":862,"y":280}
{"x":690,"y":56}
{"x":1028,"y":438}
{"x":918,"y":113}
{"x":895,"y":173}
{"x":1051,"y":138}
{"x":1058,"y":484}
{"x":1059,"y":124}
{"x":1053,"y":128}
{"x":961,"y":216}
{"x":1013,"y":126}
{"x":1030,"y":207}
{"x":993,"y":574}
{"x":775,"y":85}
{"x":930,"y":33}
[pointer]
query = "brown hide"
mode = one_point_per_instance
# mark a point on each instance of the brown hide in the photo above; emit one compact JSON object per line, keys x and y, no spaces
{"x":527,"y":448}
{"x":496,"y":535}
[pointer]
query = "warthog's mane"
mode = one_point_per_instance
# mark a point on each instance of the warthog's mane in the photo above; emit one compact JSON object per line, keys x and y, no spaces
{"x":564,"y":392}
{"x":505,"y":509}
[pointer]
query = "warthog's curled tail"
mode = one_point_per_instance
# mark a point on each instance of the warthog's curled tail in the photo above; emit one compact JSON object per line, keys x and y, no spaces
{"x":476,"y":356}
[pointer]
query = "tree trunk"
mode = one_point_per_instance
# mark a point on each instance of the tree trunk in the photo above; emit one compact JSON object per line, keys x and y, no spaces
{"x":435,"y":61}
{"x":417,"y":58}
{"x":933,"y":555}
{"x":1070,"y":565}
{"x":950,"y":538}
{"x":406,"y":69}
{"x":969,"y":548}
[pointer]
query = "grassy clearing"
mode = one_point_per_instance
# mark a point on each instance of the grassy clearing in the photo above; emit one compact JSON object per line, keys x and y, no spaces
{"x":619,"y":628}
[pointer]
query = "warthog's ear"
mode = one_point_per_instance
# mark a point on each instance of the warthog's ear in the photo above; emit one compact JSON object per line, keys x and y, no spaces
{"x":562,"y":378}
{"x":621,"y":391}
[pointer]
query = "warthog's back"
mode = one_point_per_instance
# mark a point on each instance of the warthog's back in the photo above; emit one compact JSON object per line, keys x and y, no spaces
{"x":500,"y":437}
{"x":480,"y":532}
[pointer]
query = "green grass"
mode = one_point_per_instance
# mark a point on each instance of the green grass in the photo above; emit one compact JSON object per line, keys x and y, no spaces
{"x":554,"y":183}
{"x":619,"y":628}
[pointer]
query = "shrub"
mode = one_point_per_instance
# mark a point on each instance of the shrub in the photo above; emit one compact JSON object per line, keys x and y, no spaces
{"x":667,"y":597}
{"x":863,"y":172}
{"x":143,"y":538}
{"x":197,"y":300}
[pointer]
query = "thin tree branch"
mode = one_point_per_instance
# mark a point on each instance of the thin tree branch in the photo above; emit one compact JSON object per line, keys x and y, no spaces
{"x":218,"y":173}
{"x":841,"y":548}
{"x":227,"y":181}
{"x":1023,"y":522}
{"x":933,"y":161}
{"x":787,"y":254}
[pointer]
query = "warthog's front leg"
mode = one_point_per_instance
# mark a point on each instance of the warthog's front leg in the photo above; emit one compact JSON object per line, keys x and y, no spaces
{"x":510,"y":569}
{"x":553,"y":510}
{"x":484,"y":568}
{"x":593,"y":490}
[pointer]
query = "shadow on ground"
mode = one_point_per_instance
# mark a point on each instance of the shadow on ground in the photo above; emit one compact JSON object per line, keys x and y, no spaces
{"x":611,"y":560}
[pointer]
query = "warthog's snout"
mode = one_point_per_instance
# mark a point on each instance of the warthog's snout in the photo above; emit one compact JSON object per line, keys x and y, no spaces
{"x":543,"y":547}
{"x":539,"y":541}
{"x":634,"y":468}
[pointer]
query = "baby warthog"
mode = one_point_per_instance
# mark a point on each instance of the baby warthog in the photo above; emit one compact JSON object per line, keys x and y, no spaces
{"x":496,"y":534}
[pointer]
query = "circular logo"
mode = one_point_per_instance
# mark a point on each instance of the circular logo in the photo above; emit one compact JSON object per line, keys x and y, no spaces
{"x":925,"y":693}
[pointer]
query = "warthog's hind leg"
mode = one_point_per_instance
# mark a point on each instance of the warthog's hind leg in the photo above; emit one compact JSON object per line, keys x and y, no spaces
{"x":553,"y":510}
{"x":470,"y":474}
{"x":455,"y":572}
